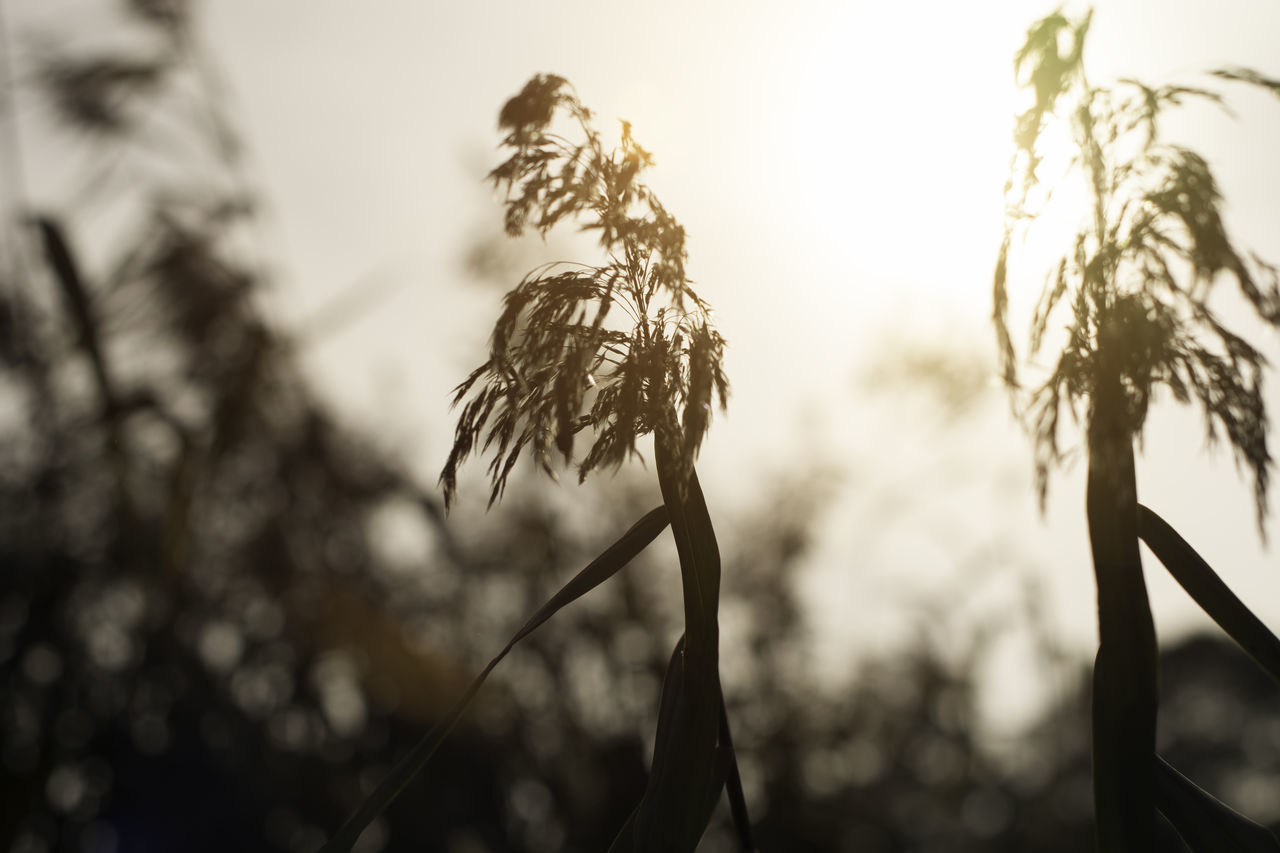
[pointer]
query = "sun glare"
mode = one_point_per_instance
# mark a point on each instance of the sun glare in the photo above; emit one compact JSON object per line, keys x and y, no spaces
{"x":883,"y":144}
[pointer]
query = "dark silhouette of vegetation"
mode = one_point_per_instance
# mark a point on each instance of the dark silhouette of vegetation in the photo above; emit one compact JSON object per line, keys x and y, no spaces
{"x":224,"y":617}
{"x":551,"y":348}
{"x":202,"y":645}
{"x":1136,"y":280}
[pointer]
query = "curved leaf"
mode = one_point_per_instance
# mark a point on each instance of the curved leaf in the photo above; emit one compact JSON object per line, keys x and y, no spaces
{"x":733,"y":784}
{"x":597,"y":572}
{"x":1207,"y":589}
{"x":660,"y":822}
{"x":727,"y":774}
{"x":1206,"y":824}
{"x":687,"y":768}
{"x":625,"y":840}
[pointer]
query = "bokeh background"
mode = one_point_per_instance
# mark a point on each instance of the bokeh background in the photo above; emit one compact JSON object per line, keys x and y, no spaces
{"x":229,"y":597}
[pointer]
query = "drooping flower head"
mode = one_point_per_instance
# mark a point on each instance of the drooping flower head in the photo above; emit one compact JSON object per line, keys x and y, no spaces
{"x":618,"y":350}
{"x":1133,"y":289}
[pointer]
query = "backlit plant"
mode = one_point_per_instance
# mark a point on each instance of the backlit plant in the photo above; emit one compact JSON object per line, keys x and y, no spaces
{"x":556,"y":366}
{"x":618,"y":351}
{"x":1133,"y":289}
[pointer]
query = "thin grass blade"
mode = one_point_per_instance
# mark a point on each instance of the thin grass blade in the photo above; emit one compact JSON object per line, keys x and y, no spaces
{"x":1205,"y":823}
{"x":733,"y":784}
{"x":727,"y":762}
{"x":625,"y":840}
{"x":597,"y":572}
{"x":679,"y":825}
{"x":1204,"y":585}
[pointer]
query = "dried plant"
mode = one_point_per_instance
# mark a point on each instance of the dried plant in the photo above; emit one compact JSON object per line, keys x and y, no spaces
{"x":557,"y":365}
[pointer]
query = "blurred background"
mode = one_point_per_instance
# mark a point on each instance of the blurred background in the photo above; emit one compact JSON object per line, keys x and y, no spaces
{"x":248,"y":249}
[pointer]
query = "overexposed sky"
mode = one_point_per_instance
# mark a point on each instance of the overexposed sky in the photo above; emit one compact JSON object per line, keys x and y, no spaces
{"x":838,"y":166}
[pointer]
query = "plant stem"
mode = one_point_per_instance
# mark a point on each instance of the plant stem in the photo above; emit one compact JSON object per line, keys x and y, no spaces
{"x":1124,"y":698}
{"x":687,"y":765}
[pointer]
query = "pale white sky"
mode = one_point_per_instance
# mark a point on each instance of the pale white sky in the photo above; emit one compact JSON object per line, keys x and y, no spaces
{"x":838,"y":166}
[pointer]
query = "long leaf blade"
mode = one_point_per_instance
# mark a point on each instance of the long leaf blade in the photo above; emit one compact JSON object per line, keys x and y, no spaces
{"x":733,"y":784}
{"x":687,"y":767}
{"x":727,"y":772}
{"x":625,"y":840}
{"x":1206,"y":824}
{"x":597,"y":572}
{"x":1204,"y":585}
{"x":669,"y":771}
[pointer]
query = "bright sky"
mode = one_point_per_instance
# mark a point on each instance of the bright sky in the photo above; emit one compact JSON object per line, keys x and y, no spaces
{"x":838,"y":166}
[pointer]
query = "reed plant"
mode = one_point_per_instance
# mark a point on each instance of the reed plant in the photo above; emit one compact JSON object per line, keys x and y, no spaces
{"x":1132,"y":291}
{"x":602,"y":356}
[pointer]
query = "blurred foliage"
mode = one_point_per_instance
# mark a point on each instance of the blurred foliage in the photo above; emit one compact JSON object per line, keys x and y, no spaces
{"x":1152,"y":247}
{"x":222,"y":615}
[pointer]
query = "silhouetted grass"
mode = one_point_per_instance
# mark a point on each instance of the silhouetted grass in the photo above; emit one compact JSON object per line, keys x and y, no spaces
{"x":1134,"y":285}
{"x":558,"y":368}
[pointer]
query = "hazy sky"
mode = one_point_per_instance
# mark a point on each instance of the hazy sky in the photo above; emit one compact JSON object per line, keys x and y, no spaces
{"x":838,"y":166}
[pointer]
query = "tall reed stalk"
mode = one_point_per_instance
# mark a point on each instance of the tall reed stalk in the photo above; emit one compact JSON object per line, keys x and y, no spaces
{"x":617,"y":351}
{"x":1134,"y":288}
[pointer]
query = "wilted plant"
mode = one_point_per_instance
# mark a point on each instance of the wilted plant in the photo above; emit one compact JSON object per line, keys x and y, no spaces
{"x":560,"y":364}
{"x":1134,"y":289}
